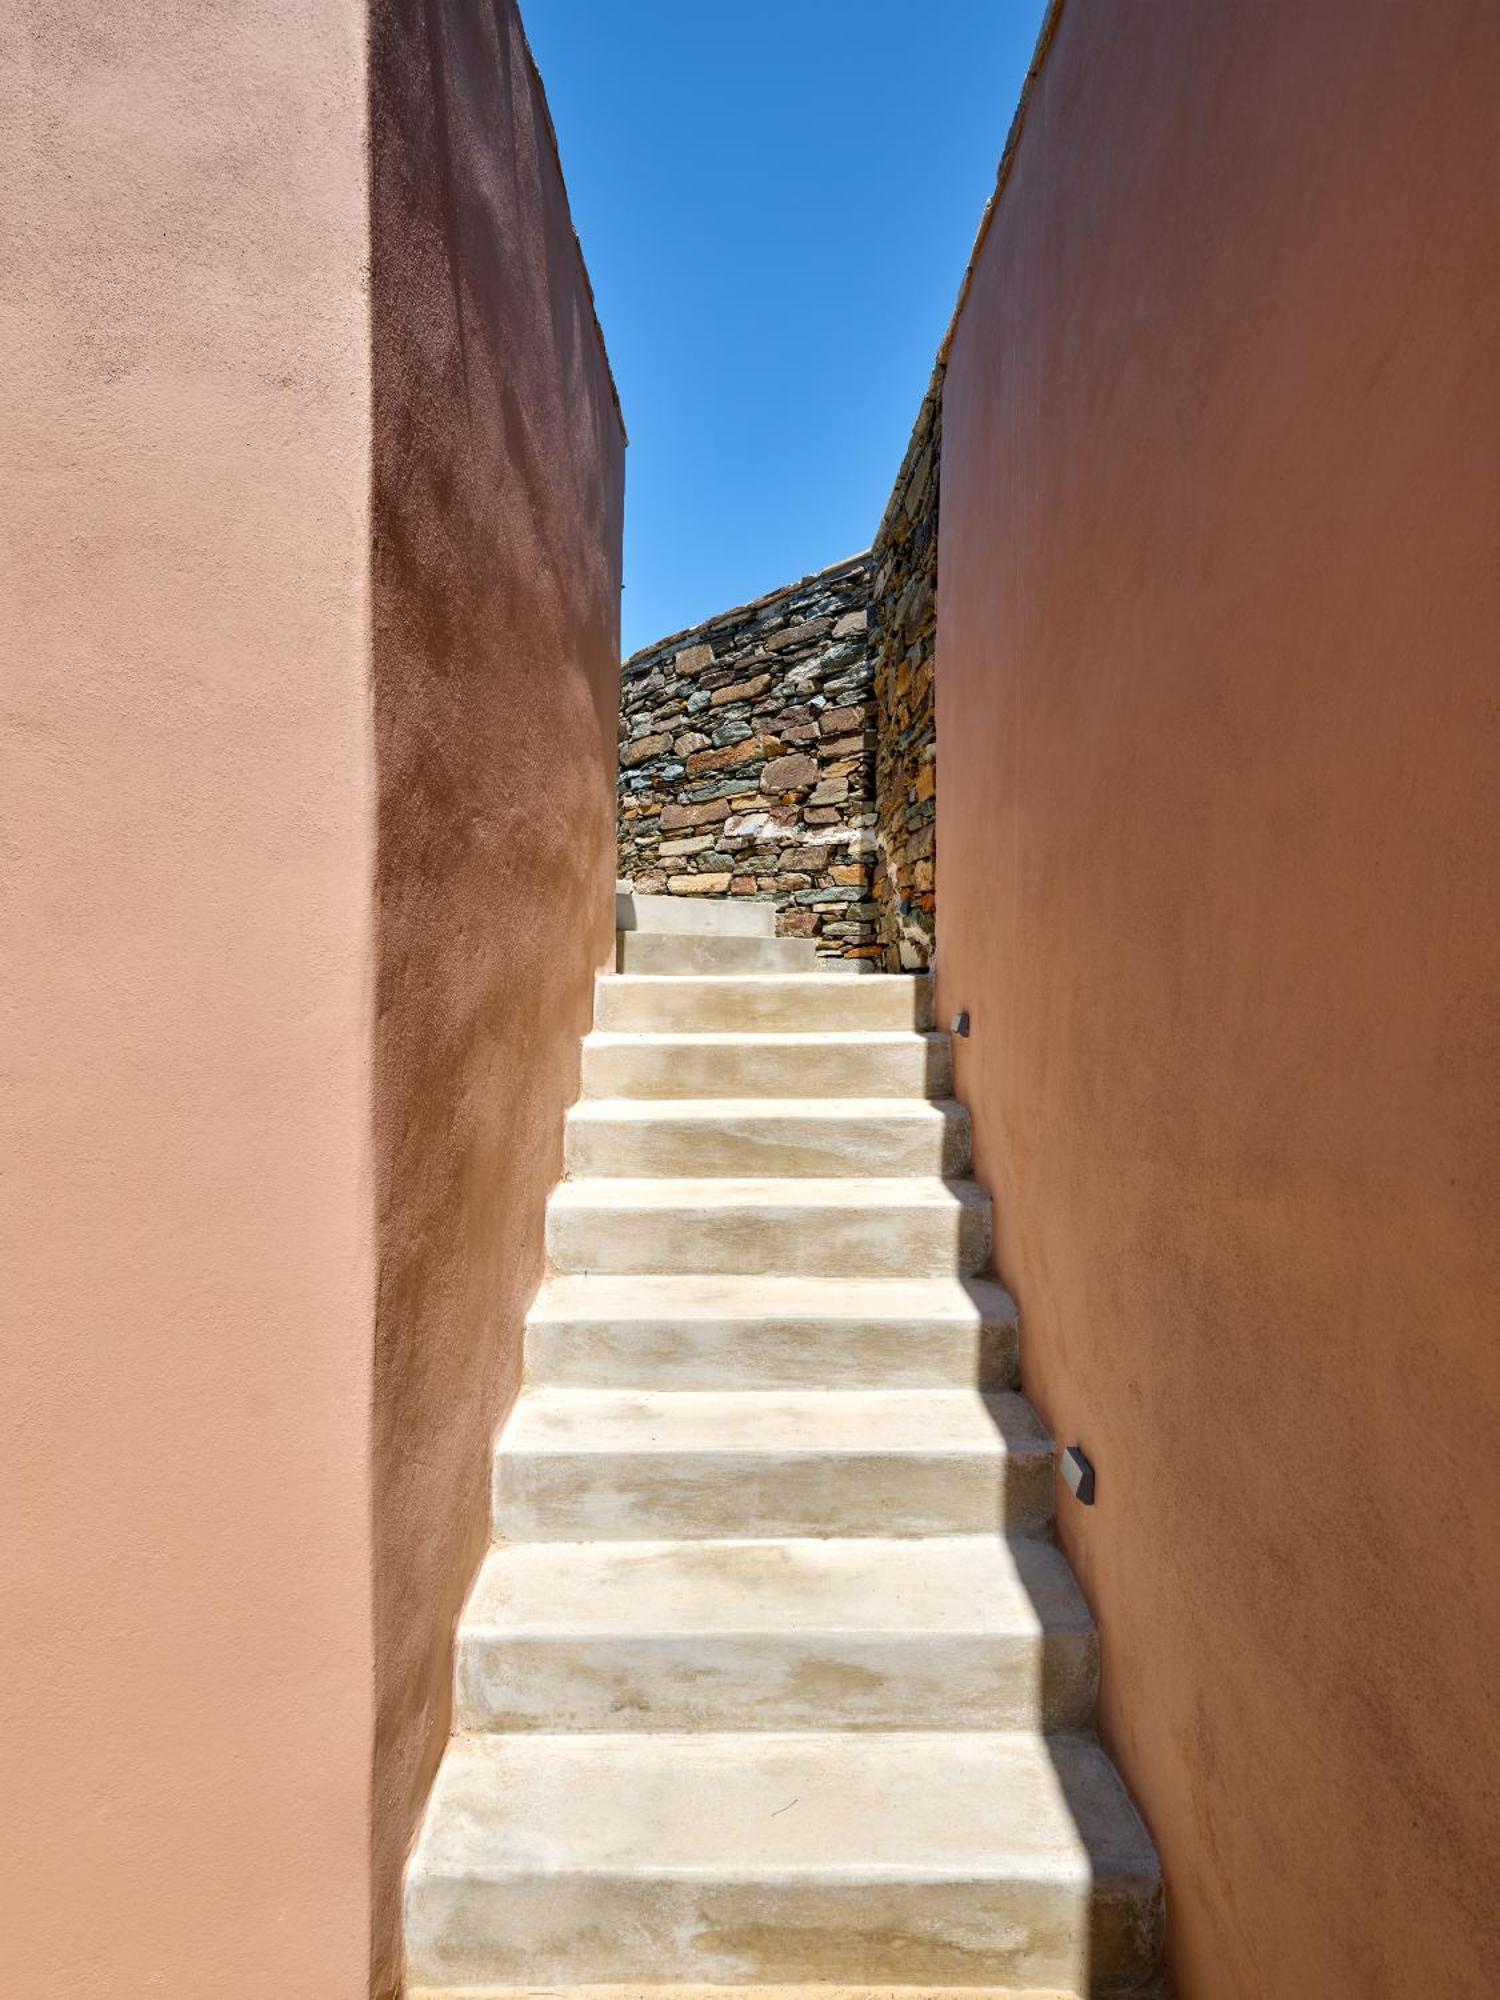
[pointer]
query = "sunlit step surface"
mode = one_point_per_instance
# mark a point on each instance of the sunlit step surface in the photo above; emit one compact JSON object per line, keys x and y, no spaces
{"x":771,"y":1332}
{"x":890,"y":1063}
{"x":954,"y":1856}
{"x":810,"y":1137}
{"x":970,"y":1632}
{"x":798,"y":1002}
{"x":618,"y":1465}
{"x":838,"y":1226}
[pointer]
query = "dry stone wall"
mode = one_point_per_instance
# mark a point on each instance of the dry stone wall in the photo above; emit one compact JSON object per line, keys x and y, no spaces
{"x":747,"y":761}
{"x":903,"y":612}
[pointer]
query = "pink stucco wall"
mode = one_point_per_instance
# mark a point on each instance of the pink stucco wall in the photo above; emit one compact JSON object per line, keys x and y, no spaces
{"x":1218,"y":747}
{"x":185,"y":1687}
{"x":496,"y":666}
{"x":268,"y":994}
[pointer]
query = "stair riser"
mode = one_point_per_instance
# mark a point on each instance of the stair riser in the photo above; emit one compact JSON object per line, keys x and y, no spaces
{"x":850,"y":1242}
{"x":651,"y":1990}
{"x":647,"y":1496}
{"x":808,"y":1680}
{"x":661,"y":952}
{"x":818,"y":1003}
{"x":918,"y":1067}
{"x":816,"y":1148}
{"x":596,"y":1927}
{"x":695,"y":916}
{"x":784,"y":1354}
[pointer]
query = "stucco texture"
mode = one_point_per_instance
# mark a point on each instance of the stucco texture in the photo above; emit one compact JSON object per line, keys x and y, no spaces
{"x":185,"y":1611}
{"x":498,"y":497}
{"x":310,"y":529}
{"x":1218,"y":762}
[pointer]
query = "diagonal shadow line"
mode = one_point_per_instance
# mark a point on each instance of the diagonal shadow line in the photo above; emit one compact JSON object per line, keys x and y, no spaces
{"x":1117,"y":1926}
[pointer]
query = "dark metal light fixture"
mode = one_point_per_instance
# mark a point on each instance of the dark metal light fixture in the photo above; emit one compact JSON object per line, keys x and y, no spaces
{"x":1079,"y":1475}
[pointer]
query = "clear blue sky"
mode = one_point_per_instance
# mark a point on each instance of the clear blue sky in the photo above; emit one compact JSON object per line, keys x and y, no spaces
{"x":777,"y":202}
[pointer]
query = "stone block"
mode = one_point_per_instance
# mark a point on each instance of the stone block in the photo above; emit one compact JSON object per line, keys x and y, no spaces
{"x":688,"y":742}
{"x":698,"y":885}
{"x":841,"y":721}
{"x":674,"y":816}
{"x":741,"y":690}
{"x":788,"y":774}
{"x":643,"y":750}
{"x":727,"y":758}
{"x":796,"y":635}
{"x":693,"y":659}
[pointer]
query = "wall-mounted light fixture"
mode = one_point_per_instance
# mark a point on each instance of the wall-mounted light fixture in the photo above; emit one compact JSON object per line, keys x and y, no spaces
{"x":1078,"y":1475}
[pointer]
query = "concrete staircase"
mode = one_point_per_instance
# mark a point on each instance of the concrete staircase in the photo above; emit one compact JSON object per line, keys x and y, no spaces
{"x":773,"y":1677}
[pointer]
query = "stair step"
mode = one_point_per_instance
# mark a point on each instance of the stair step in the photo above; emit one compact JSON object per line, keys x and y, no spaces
{"x":809,"y":1136}
{"x":842,"y":1226}
{"x":694,"y":916}
{"x":637,"y":1990}
{"x":870,"y":1063}
{"x":680,"y":952}
{"x":772,"y":1332}
{"x":961,"y":1857}
{"x":619,"y":1465}
{"x":763,"y":1002}
{"x":965,"y":1632}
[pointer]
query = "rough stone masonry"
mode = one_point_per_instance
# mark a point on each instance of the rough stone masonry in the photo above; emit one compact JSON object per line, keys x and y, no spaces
{"x":747,"y":761}
{"x":903,"y":616}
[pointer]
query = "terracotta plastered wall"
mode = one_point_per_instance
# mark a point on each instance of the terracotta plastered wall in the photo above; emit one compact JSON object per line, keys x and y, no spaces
{"x":1219,"y":750}
{"x":186,"y":789}
{"x":312,"y":505}
{"x":747,"y":760}
{"x":903,"y":616}
{"x":497,"y":479}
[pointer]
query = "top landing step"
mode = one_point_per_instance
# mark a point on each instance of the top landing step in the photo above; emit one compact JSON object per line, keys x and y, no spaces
{"x":696,"y":934}
{"x":694,"y":916}
{"x":680,"y":953}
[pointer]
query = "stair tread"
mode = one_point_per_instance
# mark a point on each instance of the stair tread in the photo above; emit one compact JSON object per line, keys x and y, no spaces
{"x":970,"y":1584}
{"x":813,"y":982}
{"x":923,"y":1110}
{"x":636,"y":1990}
{"x":860,"y":1422}
{"x":910,"y":981}
{"x":910,"y":1805}
{"x":769,"y":1190}
{"x":771,"y":1038}
{"x":969,"y":1301}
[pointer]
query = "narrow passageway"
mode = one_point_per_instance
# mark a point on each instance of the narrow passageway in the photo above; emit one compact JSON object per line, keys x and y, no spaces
{"x":751,"y":1691}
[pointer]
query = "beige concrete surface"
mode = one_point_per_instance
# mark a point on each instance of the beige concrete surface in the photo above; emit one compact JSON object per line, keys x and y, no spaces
{"x":967,"y":1632}
{"x":771,"y":1332}
{"x":957,"y":1854}
{"x":844,"y":1226}
{"x":761,"y":1003}
{"x":853,"y":1064}
{"x":624,"y":1465}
